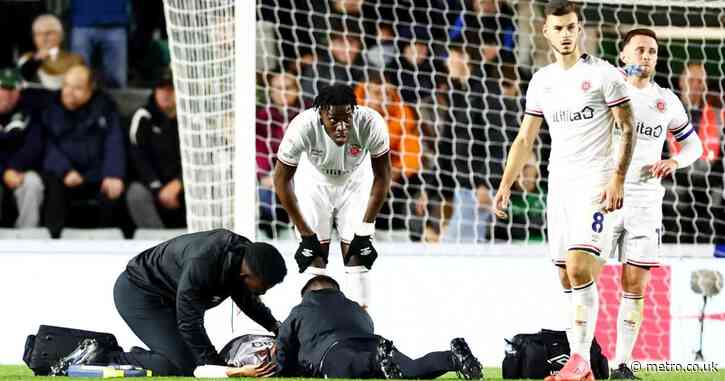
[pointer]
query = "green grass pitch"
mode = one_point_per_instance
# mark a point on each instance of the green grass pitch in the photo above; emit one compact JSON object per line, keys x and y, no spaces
{"x":20,"y":372}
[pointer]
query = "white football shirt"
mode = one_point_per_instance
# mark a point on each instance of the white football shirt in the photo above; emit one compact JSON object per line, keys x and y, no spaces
{"x":656,"y":111}
{"x":575,"y":104}
{"x":307,"y":146}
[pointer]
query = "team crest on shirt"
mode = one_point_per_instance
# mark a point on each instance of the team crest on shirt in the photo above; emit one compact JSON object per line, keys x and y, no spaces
{"x":586,"y":85}
{"x":355,"y":150}
{"x":660,"y":105}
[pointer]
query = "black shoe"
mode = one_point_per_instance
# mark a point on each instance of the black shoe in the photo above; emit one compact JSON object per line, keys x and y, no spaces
{"x":622,"y":373}
{"x":467,"y":365}
{"x":384,"y":360}
{"x":87,"y":352}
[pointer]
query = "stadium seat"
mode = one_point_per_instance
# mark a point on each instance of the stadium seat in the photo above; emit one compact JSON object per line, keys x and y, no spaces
{"x":29,"y":233}
{"x":92,"y":234}
{"x":158,"y":234}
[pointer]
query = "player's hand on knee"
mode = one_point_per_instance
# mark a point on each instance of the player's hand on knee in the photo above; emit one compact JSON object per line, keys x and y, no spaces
{"x":362,"y":246}
{"x":308,"y":250}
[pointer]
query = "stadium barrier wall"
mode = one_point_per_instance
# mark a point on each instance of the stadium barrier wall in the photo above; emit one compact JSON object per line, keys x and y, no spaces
{"x":422,"y":297}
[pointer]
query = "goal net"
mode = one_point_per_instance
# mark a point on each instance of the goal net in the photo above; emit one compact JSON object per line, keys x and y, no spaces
{"x":448,"y":76}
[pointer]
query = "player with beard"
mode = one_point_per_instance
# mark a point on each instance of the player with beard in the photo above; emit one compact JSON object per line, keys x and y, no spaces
{"x":338,"y":155}
{"x":581,"y":98}
{"x":637,"y":226}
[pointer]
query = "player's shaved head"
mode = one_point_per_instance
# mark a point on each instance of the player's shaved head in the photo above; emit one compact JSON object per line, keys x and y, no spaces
{"x":320,"y":282}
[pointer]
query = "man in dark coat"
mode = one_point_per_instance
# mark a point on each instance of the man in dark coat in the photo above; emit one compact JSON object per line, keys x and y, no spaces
{"x":21,"y":149}
{"x":156,"y":199}
{"x":330,"y":336}
{"x":165,"y":291}
{"x":85,"y":155}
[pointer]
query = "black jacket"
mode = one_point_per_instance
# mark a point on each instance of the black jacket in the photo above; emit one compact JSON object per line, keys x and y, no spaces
{"x":196,"y":272}
{"x":21,"y":138}
{"x":323,"y":318}
{"x":89,"y":140}
{"x":154,"y":150}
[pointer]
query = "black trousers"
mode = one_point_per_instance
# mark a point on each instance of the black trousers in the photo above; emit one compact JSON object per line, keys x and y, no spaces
{"x":59,"y":199}
{"x":355,"y":358}
{"x":153,"y":320}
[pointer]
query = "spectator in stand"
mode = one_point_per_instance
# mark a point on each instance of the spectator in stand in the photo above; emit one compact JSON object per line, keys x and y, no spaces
{"x":284,"y":104}
{"x":85,"y":155}
{"x":383,"y":52}
{"x":21,"y":149}
{"x":149,"y":21}
{"x":156,"y":199}
{"x":47,"y":65}
{"x":405,"y":148}
{"x":340,"y":63}
{"x":461,"y":181}
{"x":100,"y":27}
{"x":488,"y":25}
{"x":15,"y":20}
{"x":700,"y":187}
{"x":412,"y":70}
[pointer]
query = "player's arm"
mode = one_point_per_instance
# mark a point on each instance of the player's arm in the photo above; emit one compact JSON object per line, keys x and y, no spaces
{"x":361,"y":246}
{"x":309,"y":247}
{"x":518,"y":157}
{"x":283,"y":175}
{"x":684,"y":134}
{"x":382,"y":172}
{"x":614,"y":192}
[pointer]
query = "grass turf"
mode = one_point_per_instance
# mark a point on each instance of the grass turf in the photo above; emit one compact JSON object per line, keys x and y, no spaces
{"x":21,"y":372}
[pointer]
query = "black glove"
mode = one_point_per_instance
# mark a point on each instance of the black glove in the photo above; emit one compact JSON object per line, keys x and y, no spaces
{"x":362,"y":246}
{"x":308,"y":250}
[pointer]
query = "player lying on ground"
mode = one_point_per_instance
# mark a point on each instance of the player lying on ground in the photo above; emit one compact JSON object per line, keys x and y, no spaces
{"x":581,"y":97}
{"x":637,"y":226}
{"x":165,"y":291}
{"x":330,"y":336}
{"x":338,"y":155}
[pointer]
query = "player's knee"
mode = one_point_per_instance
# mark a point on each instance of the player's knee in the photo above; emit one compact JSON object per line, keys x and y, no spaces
{"x":359,"y":260}
{"x":578,"y":272}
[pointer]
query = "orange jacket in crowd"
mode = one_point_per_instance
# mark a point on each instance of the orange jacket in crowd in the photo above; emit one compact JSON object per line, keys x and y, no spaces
{"x":405,"y":142}
{"x":709,"y":132}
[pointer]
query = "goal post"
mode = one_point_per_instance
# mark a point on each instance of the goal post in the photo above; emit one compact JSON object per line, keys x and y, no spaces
{"x":214,"y":76}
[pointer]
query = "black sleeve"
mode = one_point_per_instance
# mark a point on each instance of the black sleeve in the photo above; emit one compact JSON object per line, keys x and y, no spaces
{"x":29,"y":68}
{"x":140,"y":159}
{"x":255,"y":309}
{"x":288,"y":345}
{"x":190,"y":310}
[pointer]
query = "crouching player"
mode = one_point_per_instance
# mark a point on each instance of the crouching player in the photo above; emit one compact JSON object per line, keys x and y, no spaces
{"x":338,"y":155}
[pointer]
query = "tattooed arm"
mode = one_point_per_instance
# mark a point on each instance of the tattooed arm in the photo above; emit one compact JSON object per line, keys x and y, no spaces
{"x":614,"y":192}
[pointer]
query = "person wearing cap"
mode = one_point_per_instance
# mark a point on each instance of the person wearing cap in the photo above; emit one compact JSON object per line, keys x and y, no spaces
{"x":47,"y":65}
{"x":21,"y":149}
{"x":156,"y":198}
{"x":85,"y":153}
{"x":165,"y":291}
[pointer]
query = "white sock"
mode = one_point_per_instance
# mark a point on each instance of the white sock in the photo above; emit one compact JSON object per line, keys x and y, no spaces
{"x":585,"y":304}
{"x":358,"y":284}
{"x":314,"y":271}
{"x":569,"y":313}
{"x":629,"y":320}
